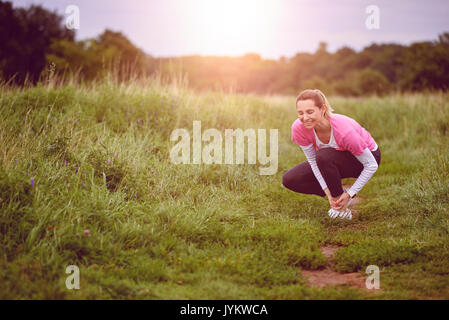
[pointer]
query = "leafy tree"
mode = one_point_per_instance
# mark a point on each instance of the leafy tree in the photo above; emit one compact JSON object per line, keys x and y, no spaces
{"x":26,"y":35}
{"x":91,"y":58}
{"x":342,"y":62}
{"x":426,"y":65}
{"x":371,"y":81}
{"x":78,"y":58}
{"x":120,"y":54}
{"x":362,"y":82}
{"x":315,"y":83}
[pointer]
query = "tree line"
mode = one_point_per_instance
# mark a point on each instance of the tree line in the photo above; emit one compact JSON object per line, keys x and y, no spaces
{"x":34,"y":44}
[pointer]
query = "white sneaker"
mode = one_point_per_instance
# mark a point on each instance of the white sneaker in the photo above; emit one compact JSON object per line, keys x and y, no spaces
{"x":341,"y":214}
{"x":333,"y":214}
{"x":346,"y":214}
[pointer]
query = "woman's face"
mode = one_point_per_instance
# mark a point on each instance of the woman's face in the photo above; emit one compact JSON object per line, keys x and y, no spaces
{"x":309,"y":114}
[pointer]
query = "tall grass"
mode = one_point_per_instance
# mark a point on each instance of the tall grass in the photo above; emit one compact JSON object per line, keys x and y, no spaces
{"x":95,"y":157}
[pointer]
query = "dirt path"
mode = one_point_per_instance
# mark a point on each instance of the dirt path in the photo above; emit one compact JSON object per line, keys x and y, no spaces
{"x":329,"y":276}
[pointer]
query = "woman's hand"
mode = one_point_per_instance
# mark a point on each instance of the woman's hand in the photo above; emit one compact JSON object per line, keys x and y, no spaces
{"x":342,"y":201}
{"x":337,"y":203}
{"x":332,"y":200}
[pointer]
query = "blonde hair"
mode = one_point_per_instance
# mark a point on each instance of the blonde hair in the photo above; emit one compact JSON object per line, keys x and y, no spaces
{"x":318,"y":98}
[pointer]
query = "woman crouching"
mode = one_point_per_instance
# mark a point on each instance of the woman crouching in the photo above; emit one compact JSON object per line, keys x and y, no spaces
{"x":336,"y":147}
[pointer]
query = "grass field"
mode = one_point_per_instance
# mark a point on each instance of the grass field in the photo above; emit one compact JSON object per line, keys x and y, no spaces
{"x":96,"y":158}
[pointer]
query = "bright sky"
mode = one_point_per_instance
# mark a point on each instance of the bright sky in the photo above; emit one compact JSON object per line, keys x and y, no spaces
{"x":271,"y":28}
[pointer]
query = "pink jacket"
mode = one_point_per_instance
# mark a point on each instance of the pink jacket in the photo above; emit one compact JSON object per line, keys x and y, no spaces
{"x":348,"y":134}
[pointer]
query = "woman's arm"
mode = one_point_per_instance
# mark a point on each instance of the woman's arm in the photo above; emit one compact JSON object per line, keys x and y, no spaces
{"x":310,"y":153}
{"x":369,"y":167}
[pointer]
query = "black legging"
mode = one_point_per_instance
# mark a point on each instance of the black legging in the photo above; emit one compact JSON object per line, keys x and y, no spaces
{"x":334,"y":165}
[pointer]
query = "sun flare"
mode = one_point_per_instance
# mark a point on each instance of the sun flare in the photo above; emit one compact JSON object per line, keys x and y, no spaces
{"x":233,"y":27}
